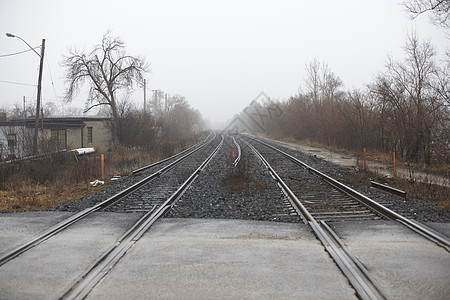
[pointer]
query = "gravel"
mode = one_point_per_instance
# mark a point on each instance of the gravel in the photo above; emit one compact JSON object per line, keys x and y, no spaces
{"x":245,"y":192}
{"x":249,"y":192}
{"x":421,"y":210}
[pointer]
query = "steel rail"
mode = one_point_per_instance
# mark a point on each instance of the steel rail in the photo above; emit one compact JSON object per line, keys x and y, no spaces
{"x":365,"y":285}
{"x":210,"y":136}
{"x":81,"y":287}
{"x":421,"y":229}
{"x":21,"y":248}
{"x":238,"y":158}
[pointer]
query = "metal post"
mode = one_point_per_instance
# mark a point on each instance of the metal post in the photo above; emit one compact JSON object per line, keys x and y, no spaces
{"x":165,"y":103}
{"x":364,"y":159}
{"x":38,"y":101}
{"x":145,"y":96}
{"x":102,"y":157}
{"x":393,"y":154}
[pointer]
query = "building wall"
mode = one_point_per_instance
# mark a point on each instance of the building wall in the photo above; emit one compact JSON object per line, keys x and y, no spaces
{"x":101,"y":135}
{"x":73,"y":136}
{"x":20,"y":132}
{"x":76,"y":137}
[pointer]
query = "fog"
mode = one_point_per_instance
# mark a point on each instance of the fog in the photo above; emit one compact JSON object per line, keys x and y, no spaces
{"x":218,"y":54}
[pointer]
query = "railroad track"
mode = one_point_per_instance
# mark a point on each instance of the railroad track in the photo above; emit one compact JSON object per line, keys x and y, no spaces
{"x":308,"y":195}
{"x":323,"y":201}
{"x":165,"y":192}
{"x":236,"y":187}
{"x":81,"y":287}
{"x":341,"y":202}
{"x":319,"y":198}
{"x":121,"y":199}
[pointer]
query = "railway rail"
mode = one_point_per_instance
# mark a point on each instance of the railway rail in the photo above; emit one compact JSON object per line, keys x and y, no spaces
{"x":335,"y":201}
{"x":306,"y":195}
{"x":342,"y":202}
{"x":118,"y":198}
{"x":87,"y":281}
{"x":364,"y":284}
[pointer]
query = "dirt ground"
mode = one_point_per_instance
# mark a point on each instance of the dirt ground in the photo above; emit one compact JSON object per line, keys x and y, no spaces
{"x":385,"y":169}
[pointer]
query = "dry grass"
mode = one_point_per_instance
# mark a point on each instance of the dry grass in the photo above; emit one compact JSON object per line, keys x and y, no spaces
{"x":439,"y":194}
{"x":28,"y":195}
{"x":433,"y":191}
{"x":42,"y":184}
{"x":240,"y":178}
{"x":440,"y":169}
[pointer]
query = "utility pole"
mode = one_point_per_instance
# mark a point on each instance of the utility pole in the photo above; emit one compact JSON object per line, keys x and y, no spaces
{"x":38,"y":101}
{"x":24,"y":108}
{"x":165,"y":103}
{"x":145,"y":96}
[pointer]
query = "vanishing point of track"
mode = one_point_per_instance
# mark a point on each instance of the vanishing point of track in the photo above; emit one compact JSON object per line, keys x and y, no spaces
{"x":311,"y":195}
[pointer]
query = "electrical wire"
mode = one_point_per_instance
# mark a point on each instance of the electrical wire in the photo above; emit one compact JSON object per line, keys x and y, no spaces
{"x":18,"y":83}
{"x":51,"y":77}
{"x":17,"y":53}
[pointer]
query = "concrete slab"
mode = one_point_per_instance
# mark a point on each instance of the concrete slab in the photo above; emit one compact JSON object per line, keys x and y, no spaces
{"x":16,"y":228}
{"x":45,"y":270}
{"x":225,"y":259}
{"x":194,"y":258}
{"x":406,"y":265}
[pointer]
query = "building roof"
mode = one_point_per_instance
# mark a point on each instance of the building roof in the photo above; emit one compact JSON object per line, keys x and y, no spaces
{"x":57,"y":122}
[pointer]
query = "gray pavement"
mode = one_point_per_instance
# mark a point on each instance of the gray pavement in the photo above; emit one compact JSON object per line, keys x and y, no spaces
{"x":405,"y":264}
{"x":221,"y":259}
{"x":45,"y":270}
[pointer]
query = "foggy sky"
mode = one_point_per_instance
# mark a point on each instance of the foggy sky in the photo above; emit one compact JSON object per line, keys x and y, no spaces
{"x":218,"y":54}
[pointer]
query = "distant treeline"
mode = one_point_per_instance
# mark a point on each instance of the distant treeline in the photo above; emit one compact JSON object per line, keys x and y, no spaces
{"x":406,"y":108}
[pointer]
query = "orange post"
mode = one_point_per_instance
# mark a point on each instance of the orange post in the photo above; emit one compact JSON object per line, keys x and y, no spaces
{"x":233,"y":153}
{"x":393,"y":155}
{"x":103,"y":165}
{"x":364,"y":159}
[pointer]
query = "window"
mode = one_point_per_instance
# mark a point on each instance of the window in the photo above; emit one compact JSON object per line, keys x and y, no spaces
{"x":12,"y":141}
{"x":62,"y":137}
{"x":59,"y":135}
{"x":89,"y":135}
{"x":54,"y":134}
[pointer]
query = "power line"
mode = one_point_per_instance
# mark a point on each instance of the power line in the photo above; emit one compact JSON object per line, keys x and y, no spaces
{"x":51,"y":77}
{"x":17,"y":53}
{"x":18,"y":83}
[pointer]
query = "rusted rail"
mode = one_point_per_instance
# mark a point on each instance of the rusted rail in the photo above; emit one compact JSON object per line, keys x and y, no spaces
{"x":389,"y":189}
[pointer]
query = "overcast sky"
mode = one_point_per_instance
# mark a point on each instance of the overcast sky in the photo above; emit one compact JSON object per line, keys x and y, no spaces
{"x":218,"y":54}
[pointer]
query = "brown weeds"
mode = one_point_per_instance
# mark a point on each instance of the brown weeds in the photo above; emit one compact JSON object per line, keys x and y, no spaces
{"x":43,"y":183}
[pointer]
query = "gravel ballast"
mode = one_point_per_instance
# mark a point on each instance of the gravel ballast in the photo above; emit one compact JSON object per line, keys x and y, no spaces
{"x":248,"y":191}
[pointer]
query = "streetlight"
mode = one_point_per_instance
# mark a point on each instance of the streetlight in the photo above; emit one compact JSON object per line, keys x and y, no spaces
{"x":38,"y":100}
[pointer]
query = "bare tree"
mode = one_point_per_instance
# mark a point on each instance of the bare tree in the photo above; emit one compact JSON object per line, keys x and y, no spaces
{"x":440,"y":10}
{"x":107,"y":69}
{"x":413,"y":102}
{"x":136,"y":127}
{"x":313,"y":80}
{"x":18,"y":111}
{"x":323,"y":92}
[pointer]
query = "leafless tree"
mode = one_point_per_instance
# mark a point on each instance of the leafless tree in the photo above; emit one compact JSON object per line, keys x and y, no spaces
{"x":313,"y":79}
{"x":413,"y":101}
{"x":107,"y":69}
{"x":406,"y":109}
{"x":135,"y":127}
{"x":18,"y":111}
{"x":440,"y":10}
